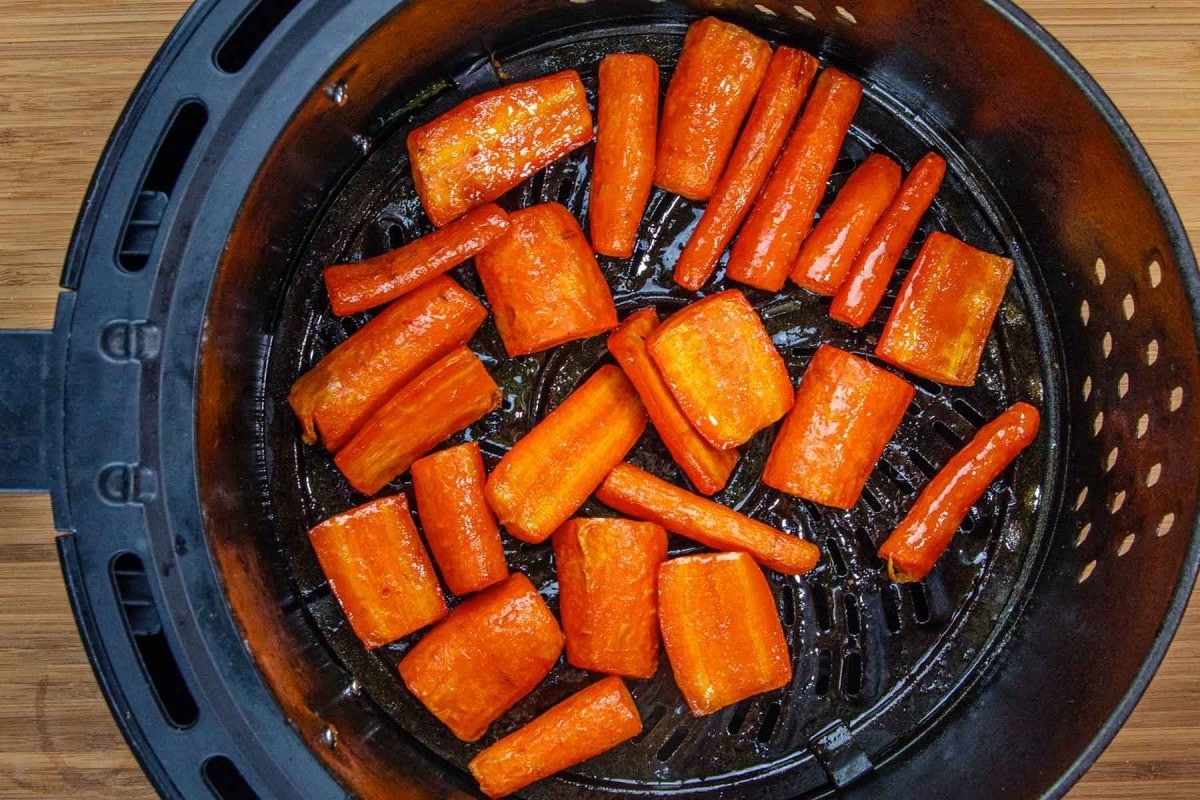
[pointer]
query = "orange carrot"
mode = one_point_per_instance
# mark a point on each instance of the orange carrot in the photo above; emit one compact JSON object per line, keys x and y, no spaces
{"x":707,"y":467}
{"x":349,"y":384}
{"x":440,"y":402}
{"x":723,"y":368}
{"x":845,"y":413}
{"x":491,"y":651}
{"x":549,"y":474}
{"x":487,"y":145}
{"x":721,"y":630}
{"x":926,"y":531}
{"x":828,"y":253}
{"x":458,"y":523}
{"x":379,"y":570}
{"x":543,"y":282}
{"x":940,"y":323}
{"x":607,"y":589}
{"x":714,"y":83}
{"x":864,"y":287}
{"x":623,"y":166}
{"x":375,"y":281}
{"x":638,"y":494}
{"x":584,"y":725}
{"x":783,"y":214}
{"x":789,"y":76}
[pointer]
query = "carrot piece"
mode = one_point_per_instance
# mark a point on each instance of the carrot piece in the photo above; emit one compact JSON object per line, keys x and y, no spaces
{"x":440,"y":402}
{"x":607,"y":589}
{"x":925,"y":532}
{"x":940,"y":323}
{"x":379,"y":570}
{"x":638,"y":494}
{"x":584,"y":725}
{"x":350,"y":383}
{"x":707,"y":467}
{"x":623,"y":166}
{"x":487,"y":145}
{"x":828,"y":253}
{"x":723,"y":368}
{"x":543,"y":282}
{"x":783,"y":214}
{"x":712,"y":88}
{"x":375,"y":281}
{"x":721,"y":630}
{"x":549,"y":473}
{"x":863,"y":288}
{"x":491,"y":651}
{"x":789,"y":76}
{"x":459,"y":526}
{"x":845,"y":413}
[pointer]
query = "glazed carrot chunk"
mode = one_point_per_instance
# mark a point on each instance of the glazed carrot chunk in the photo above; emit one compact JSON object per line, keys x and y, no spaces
{"x":379,"y":570}
{"x":338,"y":395}
{"x":584,"y":725}
{"x":375,"y":281}
{"x":491,"y":651}
{"x":945,"y":309}
{"x":707,"y":467}
{"x":721,"y":630}
{"x":638,"y":494}
{"x":845,"y":413}
{"x":926,"y":531}
{"x":543,"y":282}
{"x":828,"y":253}
{"x":440,"y":402}
{"x":480,"y":149}
{"x":623,"y":166}
{"x":459,"y":526}
{"x":549,"y":473}
{"x":608,"y":584}
{"x":789,"y":76}
{"x":722,"y":367}
{"x":782,"y":215}
{"x":714,"y":83}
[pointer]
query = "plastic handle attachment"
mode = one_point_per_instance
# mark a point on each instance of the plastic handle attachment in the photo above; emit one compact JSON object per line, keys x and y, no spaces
{"x":24,"y":411}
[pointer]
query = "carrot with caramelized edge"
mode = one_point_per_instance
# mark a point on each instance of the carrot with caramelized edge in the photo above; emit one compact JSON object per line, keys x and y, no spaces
{"x":721,"y":630}
{"x":487,"y":145}
{"x":379,"y":570}
{"x":549,"y":473}
{"x":441,"y":401}
{"x":789,"y":76}
{"x":543,"y":282}
{"x":782,"y":215}
{"x":459,"y":526}
{"x":350,"y":383}
{"x":845,"y":414}
{"x":491,"y":651}
{"x":829,"y":251}
{"x":707,"y":467}
{"x":586,"y":724}
{"x":864,"y":287}
{"x":608,"y":593}
{"x":638,"y":494}
{"x":926,"y":531}
{"x":374,"y":281}
{"x":944,"y":312}
{"x":623,"y":165}
{"x":712,"y":88}
{"x":722,"y":367}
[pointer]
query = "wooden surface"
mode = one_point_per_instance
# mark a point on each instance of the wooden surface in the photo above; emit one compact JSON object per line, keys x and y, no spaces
{"x":66,"y":68}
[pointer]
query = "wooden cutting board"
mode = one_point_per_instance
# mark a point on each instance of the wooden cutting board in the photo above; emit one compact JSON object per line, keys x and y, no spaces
{"x":66,"y":69}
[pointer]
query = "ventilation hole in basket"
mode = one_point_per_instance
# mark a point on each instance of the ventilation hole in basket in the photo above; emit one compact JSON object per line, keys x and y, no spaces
{"x":922,"y":463}
{"x":1176,"y":399}
{"x":836,"y":557}
{"x":872,"y":500}
{"x":1086,"y":572}
{"x":1152,"y":352}
{"x":788,"y":612}
{"x":1085,"y":312}
{"x":820,"y":604}
{"x":1128,"y":307}
{"x":1123,"y":385}
{"x":968,"y":524}
{"x":824,"y":672}
{"x":738,"y":718}
{"x":1155,"y":274}
{"x":804,"y":12}
{"x":770,"y":719}
{"x":867,"y":545}
{"x":853,"y":620}
{"x":1165,"y":524}
{"x":1083,"y":534}
{"x":649,"y":723}
{"x":1097,"y":423}
{"x":1153,"y":475}
{"x":1143,"y":424}
{"x":920,"y":602}
{"x":948,"y":435}
{"x":1082,"y":497}
{"x":852,"y":673}
{"x":763,"y":9}
{"x":1101,"y":271}
{"x":672,"y":744}
{"x":1106,"y":344}
{"x":897,"y":479}
{"x":1118,"y":502}
{"x":846,"y":15}
{"x":969,"y":413}
{"x":1111,"y":460}
{"x":1087,"y":387}
{"x":891,"y":607}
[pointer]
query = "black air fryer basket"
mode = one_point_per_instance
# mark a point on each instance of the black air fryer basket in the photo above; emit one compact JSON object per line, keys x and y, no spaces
{"x":267,"y":141}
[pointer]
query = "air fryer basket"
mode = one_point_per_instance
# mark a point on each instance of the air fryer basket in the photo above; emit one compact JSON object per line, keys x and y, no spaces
{"x":271,"y":143}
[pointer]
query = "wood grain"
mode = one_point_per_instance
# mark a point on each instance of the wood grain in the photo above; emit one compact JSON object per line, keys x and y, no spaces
{"x":66,"y":69}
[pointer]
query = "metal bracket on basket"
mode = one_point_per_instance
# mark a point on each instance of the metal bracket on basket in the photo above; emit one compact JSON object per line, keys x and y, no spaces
{"x":842,"y":761}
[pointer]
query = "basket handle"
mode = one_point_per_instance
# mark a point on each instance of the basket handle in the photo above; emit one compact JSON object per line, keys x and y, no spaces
{"x":25,"y":393}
